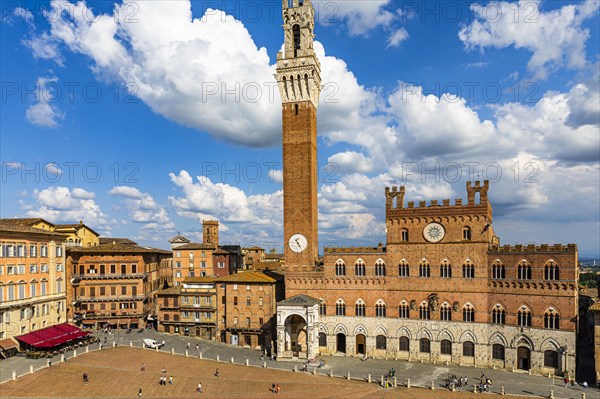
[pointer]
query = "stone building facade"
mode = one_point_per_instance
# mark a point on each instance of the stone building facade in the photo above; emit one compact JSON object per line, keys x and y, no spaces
{"x":32,"y":276}
{"x":247,"y":306}
{"x":115,"y":284}
{"x":189,"y":308}
{"x":205,"y":259}
{"x":443,"y":289}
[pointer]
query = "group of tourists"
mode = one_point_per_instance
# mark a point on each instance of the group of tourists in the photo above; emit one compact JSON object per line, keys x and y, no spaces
{"x":453,"y":382}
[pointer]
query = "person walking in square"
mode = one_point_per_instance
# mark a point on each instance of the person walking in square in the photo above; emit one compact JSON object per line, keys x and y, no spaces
{"x":277,"y":388}
{"x":216,"y":372}
{"x":143,"y":367}
{"x":199,"y":389}
{"x":171,"y":380}
{"x":139,"y":392}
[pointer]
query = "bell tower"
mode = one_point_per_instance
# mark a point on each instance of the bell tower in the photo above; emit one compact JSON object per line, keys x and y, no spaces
{"x":298,"y":76}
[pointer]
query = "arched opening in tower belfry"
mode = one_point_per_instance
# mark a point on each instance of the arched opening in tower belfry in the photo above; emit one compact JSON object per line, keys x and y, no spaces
{"x":296,"y":33}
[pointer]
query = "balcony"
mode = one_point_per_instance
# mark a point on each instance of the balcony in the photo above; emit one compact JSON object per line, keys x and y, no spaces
{"x":112,"y":315}
{"x":198,"y":306}
{"x":98,"y":276}
{"x":111,"y":298}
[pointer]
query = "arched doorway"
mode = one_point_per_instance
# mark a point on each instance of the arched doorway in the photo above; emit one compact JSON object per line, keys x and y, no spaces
{"x":340,"y":345}
{"x":523,"y":358}
{"x":295,"y":339}
{"x":361,"y":344}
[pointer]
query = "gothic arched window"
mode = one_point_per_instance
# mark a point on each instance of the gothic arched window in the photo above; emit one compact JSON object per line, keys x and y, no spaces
{"x":445,"y":312}
{"x":551,"y":319}
{"x":340,"y":268}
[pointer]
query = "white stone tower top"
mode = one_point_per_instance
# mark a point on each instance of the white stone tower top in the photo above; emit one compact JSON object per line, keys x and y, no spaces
{"x":298,"y":69}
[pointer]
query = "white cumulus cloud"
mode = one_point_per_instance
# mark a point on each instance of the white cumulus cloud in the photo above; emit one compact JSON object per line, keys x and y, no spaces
{"x":555,"y":38}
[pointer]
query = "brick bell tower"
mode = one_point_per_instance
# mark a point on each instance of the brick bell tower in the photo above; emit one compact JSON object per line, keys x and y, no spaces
{"x":298,"y":76}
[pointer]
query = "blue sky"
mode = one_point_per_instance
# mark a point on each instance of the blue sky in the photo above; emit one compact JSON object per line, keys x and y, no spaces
{"x":143,"y":118}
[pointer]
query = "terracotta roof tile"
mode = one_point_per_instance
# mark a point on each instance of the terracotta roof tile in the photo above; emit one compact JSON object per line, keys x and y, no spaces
{"x":195,"y":245}
{"x":117,"y":248}
{"x":247,"y":277}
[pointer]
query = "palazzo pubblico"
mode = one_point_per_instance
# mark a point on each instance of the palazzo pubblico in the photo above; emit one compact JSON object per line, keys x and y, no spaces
{"x":441,"y":289}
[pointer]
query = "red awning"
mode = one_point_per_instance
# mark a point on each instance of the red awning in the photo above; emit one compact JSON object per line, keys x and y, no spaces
{"x":52,"y":336}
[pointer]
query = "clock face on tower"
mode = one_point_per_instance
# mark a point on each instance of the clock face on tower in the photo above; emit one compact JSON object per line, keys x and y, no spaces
{"x":434,"y":232}
{"x":298,"y":243}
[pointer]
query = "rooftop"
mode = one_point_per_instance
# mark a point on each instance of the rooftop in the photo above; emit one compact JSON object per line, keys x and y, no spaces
{"x":195,"y":245}
{"x":299,"y":300}
{"x":117,"y":247}
{"x":109,"y":240}
{"x":247,"y":277}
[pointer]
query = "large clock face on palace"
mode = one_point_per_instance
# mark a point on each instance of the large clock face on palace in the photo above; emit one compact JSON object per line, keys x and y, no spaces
{"x":298,"y":243}
{"x":434,"y":232}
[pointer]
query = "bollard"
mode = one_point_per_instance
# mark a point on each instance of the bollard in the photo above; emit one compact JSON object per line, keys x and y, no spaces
{"x":131,"y":343}
{"x":48,"y":363}
{"x":14,"y":375}
{"x":218,"y":358}
{"x":551,"y":394}
{"x":529,"y":371}
{"x":186,"y":353}
{"x":369,"y":378}
{"x":172,"y":351}
{"x":31,"y":368}
{"x":331,"y":372}
{"x":395,"y":382}
{"x":156,"y":348}
{"x":295,"y":369}
{"x":502,"y":391}
{"x":247,"y":362}
{"x":62,"y":358}
{"x":200,"y":355}
{"x":432,"y":385}
{"x":348,"y":375}
{"x":381,"y":380}
{"x":549,"y":374}
{"x":315,"y":371}
{"x":87,"y":349}
{"x":74,"y":352}
{"x":264,"y":365}
{"x":474,"y":388}
{"x":408,"y":383}
{"x":231,"y":359}
{"x":582,"y":395}
{"x":115,"y":344}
